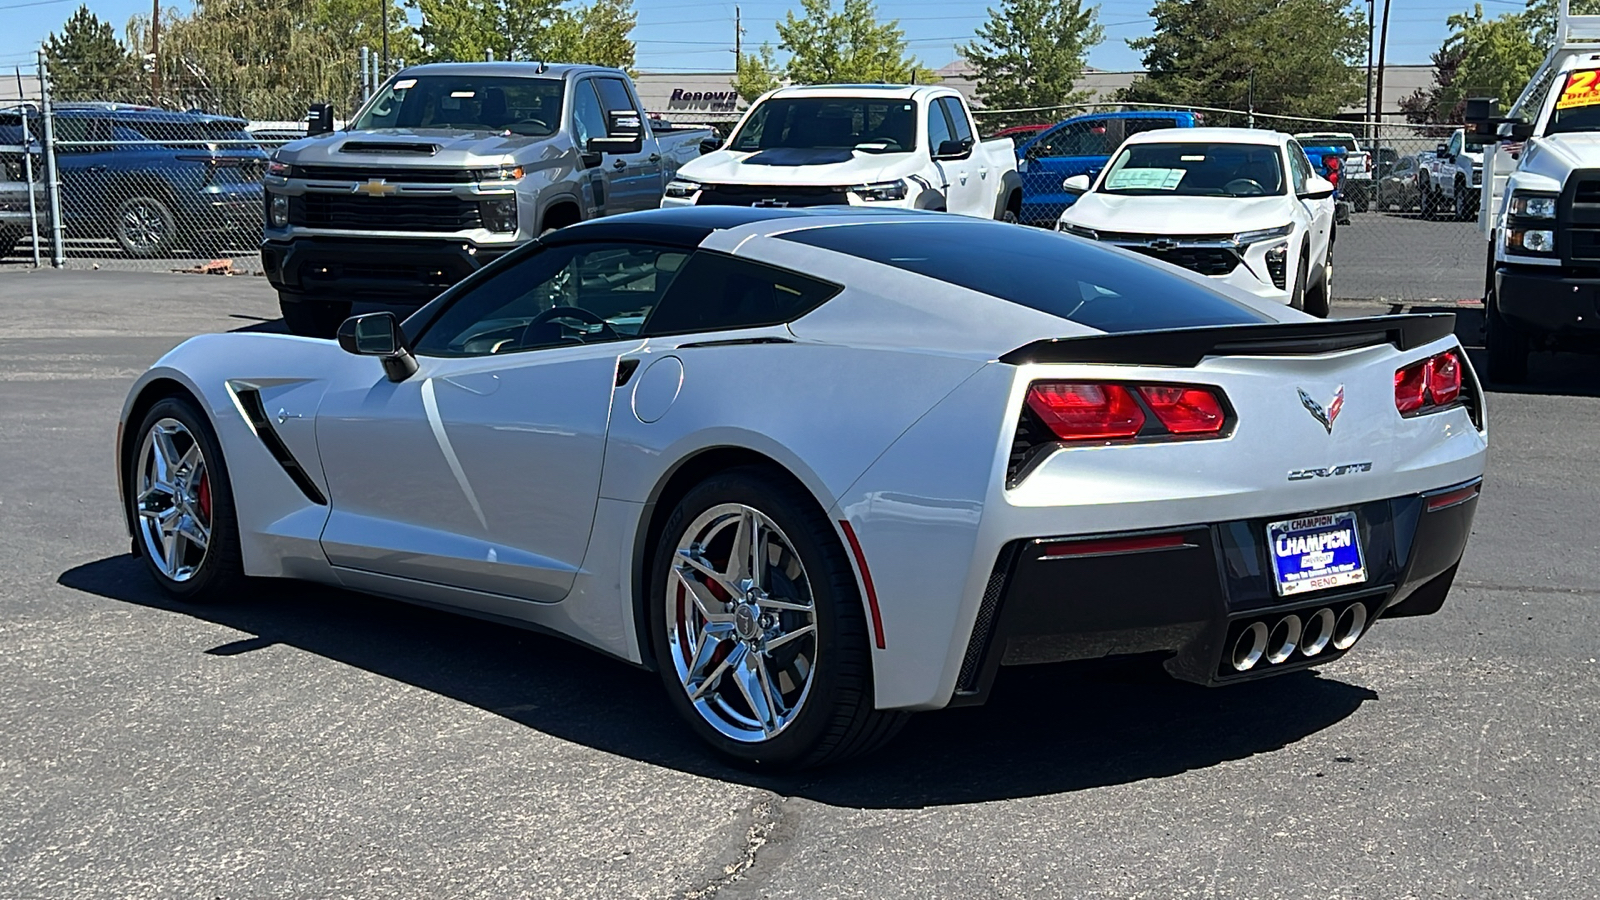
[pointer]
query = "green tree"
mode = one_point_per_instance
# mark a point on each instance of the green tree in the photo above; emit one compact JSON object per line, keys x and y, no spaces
{"x":1498,"y":56}
{"x":1030,"y":54}
{"x":88,"y":62}
{"x":848,"y":46}
{"x":756,"y":73}
{"x":1427,"y":106}
{"x":546,"y":30}
{"x":1301,"y":55}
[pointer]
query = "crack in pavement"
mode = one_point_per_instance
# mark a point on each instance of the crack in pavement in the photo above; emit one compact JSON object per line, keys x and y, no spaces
{"x":765,"y":816}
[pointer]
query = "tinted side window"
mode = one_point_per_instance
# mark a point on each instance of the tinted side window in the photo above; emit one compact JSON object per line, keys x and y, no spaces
{"x":958,"y":118}
{"x":1135,"y":126}
{"x":588,"y":119}
{"x":938,"y":127}
{"x":1299,"y":166}
{"x":719,"y":293}
{"x":1042,"y":270}
{"x":614,"y":94}
{"x":1092,"y":137}
{"x":579,"y":294}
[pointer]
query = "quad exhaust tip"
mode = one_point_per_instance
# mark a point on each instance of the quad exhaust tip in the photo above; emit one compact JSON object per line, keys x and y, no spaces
{"x":1310,"y":637}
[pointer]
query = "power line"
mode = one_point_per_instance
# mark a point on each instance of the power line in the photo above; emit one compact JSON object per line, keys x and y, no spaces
{"x":34,"y":3}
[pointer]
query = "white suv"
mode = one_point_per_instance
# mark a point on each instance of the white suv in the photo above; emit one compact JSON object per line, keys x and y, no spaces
{"x":1238,"y":205}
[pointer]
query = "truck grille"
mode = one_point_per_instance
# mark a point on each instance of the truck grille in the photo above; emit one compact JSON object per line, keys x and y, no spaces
{"x":1578,"y":219}
{"x":1205,"y":260}
{"x":355,"y":213}
{"x":770,"y":195}
{"x":394,"y":176}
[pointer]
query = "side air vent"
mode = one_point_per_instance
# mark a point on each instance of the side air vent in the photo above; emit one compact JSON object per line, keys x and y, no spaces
{"x":256,"y":413}
{"x":389,"y":148}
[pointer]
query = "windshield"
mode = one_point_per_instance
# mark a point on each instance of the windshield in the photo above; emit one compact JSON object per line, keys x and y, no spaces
{"x":1578,"y":104}
{"x":874,"y":125}
{"x":530,"y":106}
{"x":1195,"y":170}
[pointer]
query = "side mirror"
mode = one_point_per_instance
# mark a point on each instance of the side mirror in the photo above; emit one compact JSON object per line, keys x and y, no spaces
{"x":319,"y":119}
{"x":1480,"y":110}
{"x":1076,"y":184}
{"x":1317,"y":188}
{"x":1442,"y":151}
{"x":710,"y":145}
{"x":590,"y":158}
{"x":953,"y":149}
{"x":624,"y":133}
{"x":379,"y":334}
{"x":1517,"y":129}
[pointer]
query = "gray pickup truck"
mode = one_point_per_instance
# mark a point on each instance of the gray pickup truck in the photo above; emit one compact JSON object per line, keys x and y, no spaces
{"x":447,"y":167}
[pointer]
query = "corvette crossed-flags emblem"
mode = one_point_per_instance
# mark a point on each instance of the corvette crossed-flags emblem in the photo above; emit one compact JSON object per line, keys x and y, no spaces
{"x":1324,"y":415}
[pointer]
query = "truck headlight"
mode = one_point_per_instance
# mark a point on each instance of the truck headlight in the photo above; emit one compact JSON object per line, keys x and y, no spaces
{"x":679,"y":189}
{"x":880,"y":191}
{"x":1246,"y":238}
{"x":278,"y":210}
{"x":277,"y":169}
{"x":1532,"y":240}
{"x":1078,"y":231}
{"x":499,"y":214}
{"x":1533,"y":206}
{"x":498,"y":173}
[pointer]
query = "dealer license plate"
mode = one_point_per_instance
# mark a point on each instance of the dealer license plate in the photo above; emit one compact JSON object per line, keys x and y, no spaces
{"x":1315,"y":553}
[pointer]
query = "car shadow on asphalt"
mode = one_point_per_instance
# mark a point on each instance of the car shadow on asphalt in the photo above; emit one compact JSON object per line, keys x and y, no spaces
{"x":1046,"y":730}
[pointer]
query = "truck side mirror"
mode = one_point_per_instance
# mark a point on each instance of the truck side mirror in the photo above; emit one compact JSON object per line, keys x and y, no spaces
{"x":319,"y":119}
{"x":1442,"y":151}
{"x":710,"y":145}
{"x":1480,"y":110}
{"x":624,"y":133}
{"x":1517,"y":129}
{"x":953,"y":149}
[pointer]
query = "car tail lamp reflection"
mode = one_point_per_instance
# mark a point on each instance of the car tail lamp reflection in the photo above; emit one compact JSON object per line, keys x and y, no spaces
{"x":1094,"y":411}
{"x":1428,"y":386}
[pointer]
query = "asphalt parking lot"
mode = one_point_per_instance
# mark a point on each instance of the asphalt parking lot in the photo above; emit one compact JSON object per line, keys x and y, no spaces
{"x":305,"y":742}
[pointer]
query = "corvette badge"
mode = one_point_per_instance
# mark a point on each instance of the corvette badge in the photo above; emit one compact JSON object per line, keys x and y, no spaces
{"x":1324,"y":415}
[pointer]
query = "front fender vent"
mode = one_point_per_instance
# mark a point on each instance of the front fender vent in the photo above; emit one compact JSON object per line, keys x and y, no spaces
{"x":256,"y":414}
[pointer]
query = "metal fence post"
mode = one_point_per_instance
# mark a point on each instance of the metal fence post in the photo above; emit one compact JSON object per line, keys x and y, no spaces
{"x":362,"y":54}
{"x":27,"y":174}
{"x":52,"y":185}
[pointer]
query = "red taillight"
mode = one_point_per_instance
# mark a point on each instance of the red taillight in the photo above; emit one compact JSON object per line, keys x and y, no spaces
{"x":1099,"y":412}
{"x":1444,"y":377}
{"x":1086,"y":412}
{"x":1434,"y":382}
{"x":1185,"y":410}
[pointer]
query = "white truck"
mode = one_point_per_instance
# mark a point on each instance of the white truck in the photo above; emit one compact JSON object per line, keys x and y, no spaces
{"x":1358,"y":169}
{"x":1450,"y":179}
{"x":1541,"y":207}
{"x":895,"y":146}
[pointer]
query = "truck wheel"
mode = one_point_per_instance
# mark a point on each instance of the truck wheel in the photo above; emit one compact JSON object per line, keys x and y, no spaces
{"x":312,"y":317}
{"x":1463,"y":205}
{"x":145,"y":227}
{"x":1359,"y":200}
{"x":1507,"y":349}
{"x":1320,"y":300}
{"x":1298,"y":298}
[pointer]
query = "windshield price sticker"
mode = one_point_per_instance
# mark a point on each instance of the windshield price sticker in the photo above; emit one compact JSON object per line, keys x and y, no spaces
{"x":1583,"y":89}
{"x":1315,"y":552}
{"x":1145,"y":179}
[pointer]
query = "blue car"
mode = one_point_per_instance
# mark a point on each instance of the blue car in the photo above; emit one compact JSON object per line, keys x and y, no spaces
{"x":157,"y":182}
{"x":1081,"y":145}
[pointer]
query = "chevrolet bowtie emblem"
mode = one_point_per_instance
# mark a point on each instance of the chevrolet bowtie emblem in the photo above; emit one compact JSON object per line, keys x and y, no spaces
{"x":1325,"y":416}
{"x":375,"y":187}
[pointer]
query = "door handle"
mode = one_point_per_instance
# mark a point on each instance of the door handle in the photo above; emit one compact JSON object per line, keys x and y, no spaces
{"x":619,"y":164}
{"x":655,"y":157}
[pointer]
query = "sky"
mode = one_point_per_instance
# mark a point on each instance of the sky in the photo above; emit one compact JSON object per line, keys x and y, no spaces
{"x":685,"y":36}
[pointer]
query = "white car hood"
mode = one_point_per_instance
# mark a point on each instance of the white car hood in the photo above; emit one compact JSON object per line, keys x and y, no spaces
{"x":794,"y":166}
{"x":1147,"y":214}
{"x":1558,"y":154}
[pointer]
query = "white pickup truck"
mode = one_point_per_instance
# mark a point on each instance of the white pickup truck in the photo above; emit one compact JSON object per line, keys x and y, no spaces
{"x":896,"y":146}
{"x":1450,"y":179}
{"x":1541,"y":201}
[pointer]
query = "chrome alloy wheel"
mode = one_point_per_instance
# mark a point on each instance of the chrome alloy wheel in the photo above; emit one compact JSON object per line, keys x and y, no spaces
{"x":741,"y":622}
{"x":173,"y":499}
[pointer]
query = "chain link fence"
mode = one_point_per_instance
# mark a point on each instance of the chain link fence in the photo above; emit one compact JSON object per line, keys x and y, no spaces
{"x":176,"y":185}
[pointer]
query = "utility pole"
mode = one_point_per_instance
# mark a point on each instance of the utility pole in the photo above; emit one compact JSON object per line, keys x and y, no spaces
{"x":1372,"y":13}
{"x":383,"y":17}
{"x":1383,"y":44}
{"x":738,"y":40}
{"x":155,"y":52}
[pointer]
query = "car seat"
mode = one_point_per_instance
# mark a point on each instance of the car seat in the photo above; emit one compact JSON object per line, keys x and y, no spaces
{"x":493,"y":112}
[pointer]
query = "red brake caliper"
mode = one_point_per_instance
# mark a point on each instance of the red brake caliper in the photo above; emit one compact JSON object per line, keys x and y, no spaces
{"x":205,"y":497}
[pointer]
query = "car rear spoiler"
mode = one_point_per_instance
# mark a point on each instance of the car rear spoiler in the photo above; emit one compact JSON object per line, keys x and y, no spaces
{"x":1188,"y":346}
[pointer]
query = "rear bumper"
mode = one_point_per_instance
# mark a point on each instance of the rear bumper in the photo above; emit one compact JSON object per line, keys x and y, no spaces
{"x":1547,"y":300}
{"x":399,"y":271}
{"x":1190,"y":592}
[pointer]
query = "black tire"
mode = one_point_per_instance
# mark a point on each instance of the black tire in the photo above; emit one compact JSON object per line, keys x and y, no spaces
{"x":312,"y":317}
{"x":1320,"y":299}
{"x":1297,"y":297}
{"x":836,"y":719}
{"x":219,"y":573}
{"x":1464,"y":207}
{"x":145,"y":227}
{"x":1429,"y":204}
{"x":1359,"y":200}
{"x":1506,"y":347}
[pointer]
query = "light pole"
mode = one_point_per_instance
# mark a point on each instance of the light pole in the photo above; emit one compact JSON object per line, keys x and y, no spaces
{"x":1372,"y":12}
{"x":383,"y":17}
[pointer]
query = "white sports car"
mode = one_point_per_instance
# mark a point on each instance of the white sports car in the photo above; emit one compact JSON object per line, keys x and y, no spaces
{"x":824,"y":468}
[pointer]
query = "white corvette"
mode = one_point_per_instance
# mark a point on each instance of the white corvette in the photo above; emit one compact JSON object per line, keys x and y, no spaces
{"x":823,"y":468}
